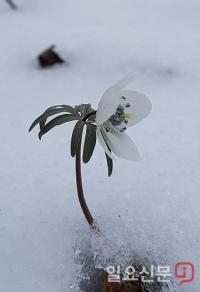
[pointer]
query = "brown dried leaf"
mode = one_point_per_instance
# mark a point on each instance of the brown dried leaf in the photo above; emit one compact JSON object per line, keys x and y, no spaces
{"x":49,"y":58}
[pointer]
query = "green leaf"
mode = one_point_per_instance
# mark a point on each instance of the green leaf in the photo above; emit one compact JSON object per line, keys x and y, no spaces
{"x":84,"y":109}
{"x":76,"y":137}
{"x":108,"y":159}
{"x":42,"y":119}
{"x":109,"y":164}
{"x":55,"y":122}
{"x":52,"y":111}
{"x":71,"y":110}
{"x":92,"y":118}
{"x":90,"y":142}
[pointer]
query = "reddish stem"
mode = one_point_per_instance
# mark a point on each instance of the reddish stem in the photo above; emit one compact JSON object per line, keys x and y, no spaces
{"x":81,"y":197}
{"x":79,"y":185}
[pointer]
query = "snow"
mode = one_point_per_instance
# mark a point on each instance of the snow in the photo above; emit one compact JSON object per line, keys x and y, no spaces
{"x":150,"y":208}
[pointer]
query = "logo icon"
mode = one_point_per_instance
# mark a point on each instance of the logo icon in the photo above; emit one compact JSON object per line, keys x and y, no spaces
{"x":184,"y":271}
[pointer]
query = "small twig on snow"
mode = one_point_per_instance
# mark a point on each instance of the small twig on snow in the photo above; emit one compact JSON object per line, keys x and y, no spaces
{"x":12,"y":4}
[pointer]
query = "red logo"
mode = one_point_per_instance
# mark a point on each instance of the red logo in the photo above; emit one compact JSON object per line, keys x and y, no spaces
{"x":184,"y":271}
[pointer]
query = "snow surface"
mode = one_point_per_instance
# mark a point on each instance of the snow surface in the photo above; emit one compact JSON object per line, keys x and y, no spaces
{"x":151,"y":208}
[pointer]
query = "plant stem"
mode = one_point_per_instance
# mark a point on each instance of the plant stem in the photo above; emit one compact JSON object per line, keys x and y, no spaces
{"x":81,"y":197}
{"x":79,"y":184}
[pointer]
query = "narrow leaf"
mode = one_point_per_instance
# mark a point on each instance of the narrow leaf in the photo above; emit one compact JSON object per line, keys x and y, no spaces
{"x":42,"y":119}
{"x":76,"y":137}
{"x":52,"y":111}
{"x":58,"y":109}
{"x":90,"y":142}
{"x":92,"y":118}
{"x":109,"y":164}
{"x":84,"y":109}
{"x":55,"y":122}
{"x":108,"y":159}
{"x":71,"y":110}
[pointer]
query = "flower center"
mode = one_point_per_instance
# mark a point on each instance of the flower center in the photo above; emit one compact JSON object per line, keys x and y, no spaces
{"x":119,"y":119}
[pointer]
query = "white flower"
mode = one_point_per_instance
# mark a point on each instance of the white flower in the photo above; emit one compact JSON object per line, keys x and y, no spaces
{"x":117,"y":110}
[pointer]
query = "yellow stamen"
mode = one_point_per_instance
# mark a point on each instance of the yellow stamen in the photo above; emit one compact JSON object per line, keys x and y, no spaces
{"x":105,"y":125}
{"x":126,"y":115}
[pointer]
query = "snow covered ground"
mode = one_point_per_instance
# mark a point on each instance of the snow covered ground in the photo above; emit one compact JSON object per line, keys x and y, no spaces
{"x":151,"y":207}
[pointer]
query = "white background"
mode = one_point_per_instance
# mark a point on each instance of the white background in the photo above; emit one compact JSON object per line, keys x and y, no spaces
{"x":151,"y":207}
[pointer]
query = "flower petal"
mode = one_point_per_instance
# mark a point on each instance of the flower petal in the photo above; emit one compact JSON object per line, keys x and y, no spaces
{"x":122,"y":146}
{"x":101,"y":136}
{"x":107,"y":105}
{"x":140,"y":106}
{"x":110,"y":100}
